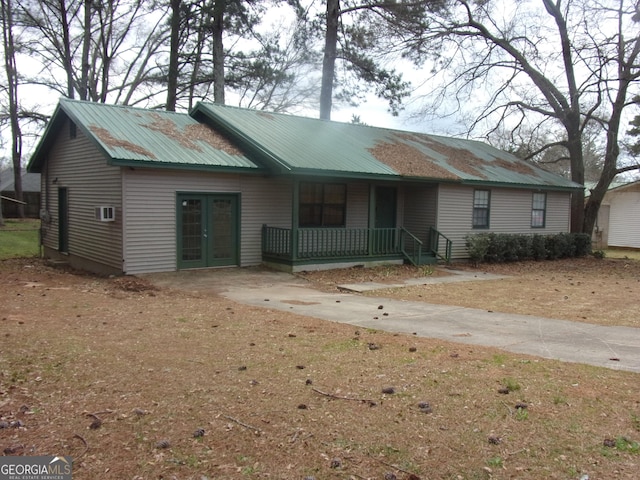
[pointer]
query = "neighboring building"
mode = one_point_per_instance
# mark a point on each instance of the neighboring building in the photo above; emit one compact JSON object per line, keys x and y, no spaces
{"x":618,"y":223}
{"x":30,"y":194}
{"x":128,"y":190}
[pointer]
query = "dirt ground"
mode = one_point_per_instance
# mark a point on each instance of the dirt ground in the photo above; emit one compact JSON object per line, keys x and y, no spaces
{"x":601,"y":291}
{"x":139,"y":382}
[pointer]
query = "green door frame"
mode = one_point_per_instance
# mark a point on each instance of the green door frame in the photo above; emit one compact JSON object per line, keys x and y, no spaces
{"x":385,"y":207}
{"x":383,"y":215}
{"x":208,"y":230}
{"x":63,"y":220}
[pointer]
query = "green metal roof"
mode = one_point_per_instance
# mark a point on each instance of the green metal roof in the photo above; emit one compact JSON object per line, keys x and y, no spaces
{"x":301,"y":145}
{"x":139,"y":137}
{"x":222,"y":137}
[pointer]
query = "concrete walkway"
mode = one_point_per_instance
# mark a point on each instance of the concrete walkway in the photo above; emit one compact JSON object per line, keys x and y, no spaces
{"x":611,"y":347}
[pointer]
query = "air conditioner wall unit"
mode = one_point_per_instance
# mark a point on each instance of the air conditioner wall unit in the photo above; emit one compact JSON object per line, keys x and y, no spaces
{"x":105,"y":213}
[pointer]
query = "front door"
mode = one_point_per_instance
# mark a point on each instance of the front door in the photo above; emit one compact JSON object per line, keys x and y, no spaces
{"x":207,"y":230}
{"x":385,"y":240}
{"x":385,"y":205}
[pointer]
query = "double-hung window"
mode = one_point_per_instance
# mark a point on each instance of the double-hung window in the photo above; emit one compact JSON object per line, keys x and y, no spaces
{"x":539,"y":210}
{"x":481,"y":204}
{"x":322,"y":204}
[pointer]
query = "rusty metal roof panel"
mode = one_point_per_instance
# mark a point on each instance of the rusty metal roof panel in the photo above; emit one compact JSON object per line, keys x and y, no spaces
{"x":306,"y":145}
{"x":154,"y":137}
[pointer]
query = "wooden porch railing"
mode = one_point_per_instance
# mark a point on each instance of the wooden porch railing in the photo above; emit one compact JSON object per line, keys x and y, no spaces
{"x":325,"y":243}
{"x":411,"y":246}
{"x":440,"y":245}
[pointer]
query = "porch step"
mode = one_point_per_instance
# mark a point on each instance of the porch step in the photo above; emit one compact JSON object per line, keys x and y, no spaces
{"x":425,"y":259}
{"x":428,"y":259}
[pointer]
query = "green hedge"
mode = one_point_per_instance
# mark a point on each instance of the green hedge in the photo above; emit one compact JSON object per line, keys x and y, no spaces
{"x":506,"y":247}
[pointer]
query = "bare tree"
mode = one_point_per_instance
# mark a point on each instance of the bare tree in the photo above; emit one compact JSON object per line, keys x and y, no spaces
{"x":104,"y":48}
{"x":562,"y":65}
{"x":547,"y":150}
{"x":6,"y":8}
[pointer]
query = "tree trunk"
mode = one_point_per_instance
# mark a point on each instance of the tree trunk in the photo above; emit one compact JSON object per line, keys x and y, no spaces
{"x":574,"y":146}
{"x":329,"y":60}
{"x":172,"y":80}
{"x":12,"y":89}
{"x":612,"y":152}
{"x":219,"y":8}
{"x":83,"y":88}
{"x":66,"y":45}
{"x":197,"y":57}
{"x":1,"y":217}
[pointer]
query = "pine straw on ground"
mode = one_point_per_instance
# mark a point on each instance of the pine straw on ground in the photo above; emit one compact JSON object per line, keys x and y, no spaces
{"x":601,"y":291}
{"x":139,"y":382}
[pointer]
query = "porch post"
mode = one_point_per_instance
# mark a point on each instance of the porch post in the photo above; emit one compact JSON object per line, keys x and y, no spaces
{"x":372,"y":218}
{"x":295,"y":209}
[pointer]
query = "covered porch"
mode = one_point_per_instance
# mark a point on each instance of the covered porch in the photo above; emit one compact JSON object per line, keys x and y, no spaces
{"x":297,"y":247}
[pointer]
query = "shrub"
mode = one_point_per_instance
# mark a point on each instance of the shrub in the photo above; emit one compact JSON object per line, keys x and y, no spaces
{"x":582,"y":242}
{"x":496,"y":248}
{"x":552,"y":245}
{"x":525,"y":247}
{"x":500,"y":247}
{"x":538,"y":247}
{"x":477,"y":246}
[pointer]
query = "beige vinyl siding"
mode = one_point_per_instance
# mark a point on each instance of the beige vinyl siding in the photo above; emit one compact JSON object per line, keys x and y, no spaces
{"x":624,"y":219}
{"x":150,"y":217}
{"x":510,"y":212}
{"x":264,"y":201}
{"x":420,"y":211}
{"x":357,"y":205}
{"x":558,"y":213}
{"x":79,"y":166}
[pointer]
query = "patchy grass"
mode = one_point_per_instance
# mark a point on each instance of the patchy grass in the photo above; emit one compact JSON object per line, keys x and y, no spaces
{"x":19,"y":238}
{"x":626,"y":253}
{"x":192,"y":386}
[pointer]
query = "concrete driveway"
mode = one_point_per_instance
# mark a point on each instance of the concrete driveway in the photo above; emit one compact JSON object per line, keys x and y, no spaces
{"x":611,"y":347}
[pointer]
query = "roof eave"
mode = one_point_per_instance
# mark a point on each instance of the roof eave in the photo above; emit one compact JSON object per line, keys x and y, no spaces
{"x":311,"y":172}
{"x":528,"y":186}
{"x":37,"y":160}
{"x":127,"y":162}
{"x":55,"y":124}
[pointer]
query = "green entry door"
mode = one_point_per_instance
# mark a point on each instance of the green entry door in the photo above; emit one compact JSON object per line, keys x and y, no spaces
{"x":207,"y":230}
{"x":385,"y":239}
{"x":385,"y":207}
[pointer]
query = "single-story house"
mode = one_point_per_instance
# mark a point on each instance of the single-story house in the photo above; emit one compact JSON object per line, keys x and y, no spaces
{"x":128,"y":190}
{"x":618,"y":223}
{"x":30,"y":194}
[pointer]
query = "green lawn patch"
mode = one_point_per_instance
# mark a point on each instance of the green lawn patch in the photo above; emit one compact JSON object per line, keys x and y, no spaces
{"x":19,"y":238}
